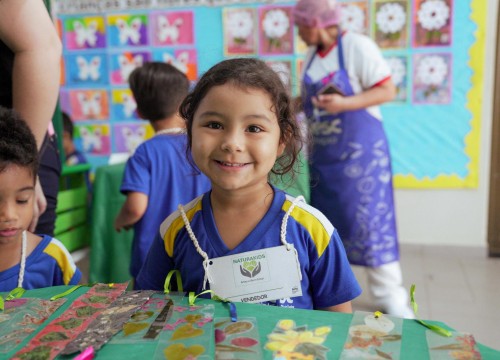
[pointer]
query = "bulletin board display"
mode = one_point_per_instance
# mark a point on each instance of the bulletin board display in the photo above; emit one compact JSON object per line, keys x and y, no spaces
{"x":435,"y":49}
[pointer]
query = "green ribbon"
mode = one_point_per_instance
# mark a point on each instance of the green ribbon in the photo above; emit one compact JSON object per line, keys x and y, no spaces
{"x":13,"y":294}
{"x":72,"y":289}
{"x":437,"y":329}
{"x":232,"y":307}
{"x":166,"y":286}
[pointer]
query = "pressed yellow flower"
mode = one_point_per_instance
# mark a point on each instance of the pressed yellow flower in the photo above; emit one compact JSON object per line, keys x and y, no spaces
{"x":286,"y":324}
{"x":322,"y":331}
{"x":290,"y":339}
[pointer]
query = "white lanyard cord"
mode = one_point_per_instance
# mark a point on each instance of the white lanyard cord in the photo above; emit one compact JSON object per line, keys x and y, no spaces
{"x":198,"y":248}
{"x":204,"y":255}
{"x":23,"y":261}
{"x":284,"y":223}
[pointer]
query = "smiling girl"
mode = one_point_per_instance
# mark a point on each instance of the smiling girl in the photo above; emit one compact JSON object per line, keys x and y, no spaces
{"x":245,"y":239}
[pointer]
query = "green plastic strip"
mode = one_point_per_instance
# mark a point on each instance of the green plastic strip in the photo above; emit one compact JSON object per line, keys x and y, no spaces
{"x":70,"y":290}
{"x":15,"y":294}
{"x":437,"y":329}
{"x":2,"y":303}
{"x":166,"y":286}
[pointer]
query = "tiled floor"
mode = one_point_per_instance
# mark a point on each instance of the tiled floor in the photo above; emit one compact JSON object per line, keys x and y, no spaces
{"x":459,"y":286}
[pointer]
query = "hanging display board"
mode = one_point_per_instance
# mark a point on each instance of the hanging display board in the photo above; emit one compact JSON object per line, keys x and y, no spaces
{"x":435,"y":49}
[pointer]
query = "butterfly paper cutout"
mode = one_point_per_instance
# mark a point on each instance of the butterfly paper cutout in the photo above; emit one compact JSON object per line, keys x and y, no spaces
{"x":129,"y":31}
{"x":133,"y":138}
{"x":90,"y":104}
{"x":88,"y":69}
{"x":180,"y":61}
{"x":129,"y":104}
{"x":85,"y":34}
{"x":128,"y":64}
{"x":91,"y":139}
{"x":168,"y":31}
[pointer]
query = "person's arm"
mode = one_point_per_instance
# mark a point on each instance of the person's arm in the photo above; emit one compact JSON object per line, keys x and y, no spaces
{"x":335,"y":103}
{"x":345,"y":308}
{"x":132,"y":211}
{"x":26,"y":28}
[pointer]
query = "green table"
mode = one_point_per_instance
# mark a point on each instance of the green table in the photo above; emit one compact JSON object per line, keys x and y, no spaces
{"x":414,"y":345}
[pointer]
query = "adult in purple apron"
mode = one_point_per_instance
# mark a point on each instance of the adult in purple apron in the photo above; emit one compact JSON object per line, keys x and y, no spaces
{"x":350,"y":169}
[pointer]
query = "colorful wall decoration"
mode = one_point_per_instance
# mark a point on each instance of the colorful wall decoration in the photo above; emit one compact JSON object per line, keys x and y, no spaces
{"x":435,"y":49}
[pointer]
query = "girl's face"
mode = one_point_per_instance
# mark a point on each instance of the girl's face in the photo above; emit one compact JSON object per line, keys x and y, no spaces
{"x":236,"y":137}
{"x":17,"y":192}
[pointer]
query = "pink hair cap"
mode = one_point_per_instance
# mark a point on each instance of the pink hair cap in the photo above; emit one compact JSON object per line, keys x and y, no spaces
{"x":316,"y":13}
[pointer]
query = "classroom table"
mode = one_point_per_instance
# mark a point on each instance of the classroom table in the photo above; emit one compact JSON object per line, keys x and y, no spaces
{"x":110,"y":251}
{"x":413,"y":346}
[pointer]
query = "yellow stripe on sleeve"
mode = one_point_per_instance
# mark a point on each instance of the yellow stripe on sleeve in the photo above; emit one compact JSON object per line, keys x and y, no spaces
{"x":174,"y":223}
{"x":313,"y":220}
{"x":61,"y":255}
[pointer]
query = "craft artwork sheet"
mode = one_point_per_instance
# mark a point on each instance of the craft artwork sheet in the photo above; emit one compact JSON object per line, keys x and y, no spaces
{"x":21,"y":317}
{"x":54,"y":337}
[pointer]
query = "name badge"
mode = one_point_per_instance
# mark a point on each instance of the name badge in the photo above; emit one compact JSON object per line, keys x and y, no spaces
{"x":256,"y":276}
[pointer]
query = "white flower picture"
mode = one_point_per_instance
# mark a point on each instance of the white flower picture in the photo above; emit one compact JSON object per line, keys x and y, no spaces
{"x":398,"y":66}
{"x":275,"y":24}
{"x":239,"y":31}
{"x":352,"y":18}
{"x":240,"y":24}
{"x":432,"y":76}
{"x":432,"y":70}
{"x":433,"y":14}
{"x":398,"y":70}
{"x":276,"y":30}
{"x":391,"y":18}
{"x":432,"y":22}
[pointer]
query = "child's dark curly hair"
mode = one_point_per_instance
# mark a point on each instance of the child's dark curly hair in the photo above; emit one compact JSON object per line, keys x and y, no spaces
{"x":17,"y":143}
{"x":253,"y":74}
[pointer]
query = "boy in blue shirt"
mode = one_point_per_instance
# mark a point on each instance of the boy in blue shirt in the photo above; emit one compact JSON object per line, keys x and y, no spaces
{"x":27,"y":260}
{"x":159,"y":176}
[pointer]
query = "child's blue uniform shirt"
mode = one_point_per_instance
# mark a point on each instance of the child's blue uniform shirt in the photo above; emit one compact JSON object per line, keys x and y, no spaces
{"x":327,"y":278}
{"x":49,"y":264}
{"x":159,"y":169}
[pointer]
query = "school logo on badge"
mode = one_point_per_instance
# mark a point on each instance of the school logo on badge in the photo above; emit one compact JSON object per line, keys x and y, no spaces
{"x":250,"y":269}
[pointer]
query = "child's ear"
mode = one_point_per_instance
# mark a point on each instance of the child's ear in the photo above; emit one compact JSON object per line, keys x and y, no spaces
{"x":281,"y":148}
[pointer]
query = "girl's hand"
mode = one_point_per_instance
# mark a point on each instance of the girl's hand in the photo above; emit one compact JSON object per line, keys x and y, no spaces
{"x":332,"y":103}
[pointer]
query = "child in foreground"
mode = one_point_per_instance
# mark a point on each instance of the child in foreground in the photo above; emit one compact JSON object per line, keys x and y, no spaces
{"x":240,"y":124}
{"x":158,"y":177}
{"x":27,"y":260}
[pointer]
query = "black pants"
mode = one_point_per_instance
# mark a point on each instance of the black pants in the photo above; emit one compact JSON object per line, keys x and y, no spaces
{"x":49,"y":173}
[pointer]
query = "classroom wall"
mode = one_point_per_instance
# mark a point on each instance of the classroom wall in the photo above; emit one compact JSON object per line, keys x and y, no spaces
{"x":448,"y":216}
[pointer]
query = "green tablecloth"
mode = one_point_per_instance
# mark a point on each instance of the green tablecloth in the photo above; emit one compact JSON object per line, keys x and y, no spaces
{"x":110,"y":251}
{"x":413,"y":347}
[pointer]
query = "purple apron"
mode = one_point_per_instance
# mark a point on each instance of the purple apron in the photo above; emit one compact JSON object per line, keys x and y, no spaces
{"x":351,"y":177}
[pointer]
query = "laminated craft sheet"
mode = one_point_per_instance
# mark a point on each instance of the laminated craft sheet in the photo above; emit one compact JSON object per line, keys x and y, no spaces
{"x":435,"y":49}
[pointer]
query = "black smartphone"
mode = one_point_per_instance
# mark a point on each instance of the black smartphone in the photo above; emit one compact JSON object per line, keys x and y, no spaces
{"x":330,"y":89}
